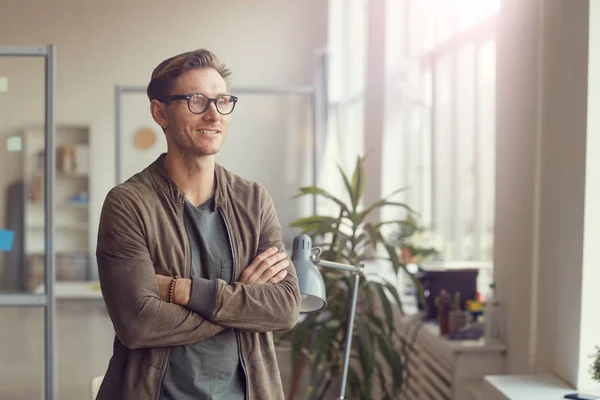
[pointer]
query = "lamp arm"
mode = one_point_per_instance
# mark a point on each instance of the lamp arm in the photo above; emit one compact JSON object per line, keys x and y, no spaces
{"x":340,"y":266}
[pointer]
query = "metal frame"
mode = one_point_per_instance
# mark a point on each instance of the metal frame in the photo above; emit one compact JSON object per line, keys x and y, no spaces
{"x":48,"y":299}
{"x":318,"y":98}
{"x":477,"y":35}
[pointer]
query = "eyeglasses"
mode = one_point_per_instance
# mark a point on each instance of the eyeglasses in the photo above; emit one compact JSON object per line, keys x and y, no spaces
{"x":198,"y":103}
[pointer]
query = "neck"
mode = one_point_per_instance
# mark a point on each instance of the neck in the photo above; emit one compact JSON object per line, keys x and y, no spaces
{"x":194,"y":175}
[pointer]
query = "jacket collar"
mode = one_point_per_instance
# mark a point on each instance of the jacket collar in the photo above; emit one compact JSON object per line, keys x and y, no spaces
{"x":169,"y":187}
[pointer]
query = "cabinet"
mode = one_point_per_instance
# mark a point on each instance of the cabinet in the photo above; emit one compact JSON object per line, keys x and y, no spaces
{"x":71,"y":216}
{"x":442,"y":369}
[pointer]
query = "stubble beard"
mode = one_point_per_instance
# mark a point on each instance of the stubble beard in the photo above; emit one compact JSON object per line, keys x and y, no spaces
{"x":190,"y":154}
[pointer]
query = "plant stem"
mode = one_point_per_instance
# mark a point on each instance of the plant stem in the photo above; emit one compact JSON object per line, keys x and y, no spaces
{"x":334,"y":240}
{"x":323,"y":386}
{"x":297,"y":372}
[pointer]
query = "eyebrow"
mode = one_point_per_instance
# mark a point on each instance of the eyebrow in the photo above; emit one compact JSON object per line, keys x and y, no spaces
{"x":219,"y":94}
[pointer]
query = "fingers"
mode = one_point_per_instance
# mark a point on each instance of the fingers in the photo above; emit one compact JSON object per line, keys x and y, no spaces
{"x":272,"y":271}
{"x":249,"y":270}
{"x":279,"y":277}
{"x":260,"y":264}
{"x":265,"y":267}
{"x":262,"y":257}
{"x":266,"y":271}
{"x":270,"y":262}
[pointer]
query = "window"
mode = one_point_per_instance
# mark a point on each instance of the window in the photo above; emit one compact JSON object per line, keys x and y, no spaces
{"x":344,"y":139}
{"x":444,"y":73}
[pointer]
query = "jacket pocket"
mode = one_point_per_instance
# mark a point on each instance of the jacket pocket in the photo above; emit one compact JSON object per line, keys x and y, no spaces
{"x":227,"y":270}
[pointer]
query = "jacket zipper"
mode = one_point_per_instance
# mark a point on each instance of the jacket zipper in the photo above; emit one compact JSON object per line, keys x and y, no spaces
{"x":186,"y":273}
{"x":237,"y":334}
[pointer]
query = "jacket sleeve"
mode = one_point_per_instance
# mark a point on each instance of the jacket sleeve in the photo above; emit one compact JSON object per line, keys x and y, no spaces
{"x":254,"y":307}
{"x":129,"y":287}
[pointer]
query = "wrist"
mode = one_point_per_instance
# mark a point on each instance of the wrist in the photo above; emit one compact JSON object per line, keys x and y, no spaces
{"x":182,"y":291}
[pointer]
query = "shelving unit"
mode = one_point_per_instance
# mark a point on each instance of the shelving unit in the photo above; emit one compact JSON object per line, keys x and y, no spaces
{"x":72,"y":234}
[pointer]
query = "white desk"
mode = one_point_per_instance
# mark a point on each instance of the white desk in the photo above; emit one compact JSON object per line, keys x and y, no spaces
{"x":526,"y":387}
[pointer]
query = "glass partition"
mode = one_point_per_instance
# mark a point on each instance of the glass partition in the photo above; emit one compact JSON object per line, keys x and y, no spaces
{"x":282,"y":120}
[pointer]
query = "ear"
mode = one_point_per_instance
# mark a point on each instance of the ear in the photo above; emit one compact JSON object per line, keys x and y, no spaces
{"x":159,"y":113}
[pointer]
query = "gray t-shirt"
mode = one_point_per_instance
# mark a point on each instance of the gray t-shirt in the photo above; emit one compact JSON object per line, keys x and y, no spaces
{"x":210,"y":369}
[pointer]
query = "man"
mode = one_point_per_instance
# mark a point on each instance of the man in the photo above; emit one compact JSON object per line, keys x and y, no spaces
{"x":190,"y":256}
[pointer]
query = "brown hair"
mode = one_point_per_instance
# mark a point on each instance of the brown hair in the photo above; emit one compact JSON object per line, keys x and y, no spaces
{"x":166,"y":72}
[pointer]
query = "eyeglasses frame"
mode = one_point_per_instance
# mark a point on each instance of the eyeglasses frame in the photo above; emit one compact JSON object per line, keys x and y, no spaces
{"x":187,"y":97}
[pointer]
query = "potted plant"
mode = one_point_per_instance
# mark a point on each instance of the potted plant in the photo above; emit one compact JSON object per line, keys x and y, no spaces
{"x":595,"y":367}
{"x":416,"y":243}
{"x":379,"y":353}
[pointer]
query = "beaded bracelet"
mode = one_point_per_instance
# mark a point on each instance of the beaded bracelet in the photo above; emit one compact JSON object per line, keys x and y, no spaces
{"x":172,"y":289}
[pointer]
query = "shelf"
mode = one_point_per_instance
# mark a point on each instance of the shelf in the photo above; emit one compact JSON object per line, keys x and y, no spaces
{"x":59,"y":252}
{"x":62,"y":205}
{"x":74,"y":175}
{"x":61,"y":174}
{"x":81,"y":227}
{"x":74,"y":290}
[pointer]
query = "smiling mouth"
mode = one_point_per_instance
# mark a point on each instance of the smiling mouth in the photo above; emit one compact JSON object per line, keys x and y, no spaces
{"x":207,"y":132}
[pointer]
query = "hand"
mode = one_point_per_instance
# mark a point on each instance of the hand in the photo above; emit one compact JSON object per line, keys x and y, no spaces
{"x":267,"y":267}
{"x":182,"y":289}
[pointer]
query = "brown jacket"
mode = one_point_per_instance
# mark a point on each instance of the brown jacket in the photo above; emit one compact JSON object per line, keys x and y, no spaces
{"x":142,"y":233}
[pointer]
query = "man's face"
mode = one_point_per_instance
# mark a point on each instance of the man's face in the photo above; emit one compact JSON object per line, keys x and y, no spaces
{"x":196,"y":134}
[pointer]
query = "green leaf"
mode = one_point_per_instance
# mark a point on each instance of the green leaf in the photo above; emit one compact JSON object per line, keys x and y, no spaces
{"x":367,"y":353}
{"x":354,"y":381}
{"x":313,"y":190}
{"x":322,"y":342}
{"x":316,"y":225}
{"x":337,"y":238}
{"x":387,"y":309}
{"x":377,"y":322}
{"x":374,"y":233}
{"x":348,"y":187}
{"x":395,"y":295}
{"x":358,"y":182}
{"x":315,"y":219}
{"x":301,"y":336}
{"x":392,"y":358}
{"x":395,"y":192}
{"x":397,"y":264}
{"x":356,"y":218}
{"x":383,"y":382}
{"x":383,"y":203}
{"x":405,"y":222}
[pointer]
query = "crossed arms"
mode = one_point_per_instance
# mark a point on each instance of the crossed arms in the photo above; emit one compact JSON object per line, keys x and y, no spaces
{"x":133,"y":299}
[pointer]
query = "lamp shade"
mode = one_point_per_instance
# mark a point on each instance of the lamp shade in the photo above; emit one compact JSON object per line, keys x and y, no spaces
{"x":312,"y":287}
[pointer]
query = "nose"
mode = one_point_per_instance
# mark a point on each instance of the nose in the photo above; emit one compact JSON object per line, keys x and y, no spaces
{"x":211,"y":114}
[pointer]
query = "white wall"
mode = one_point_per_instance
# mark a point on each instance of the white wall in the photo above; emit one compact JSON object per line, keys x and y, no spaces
{"x":515,"y":171}
{"x":541,"y":182}
{"x":104,"y":43}
{"x":590,"y":331}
